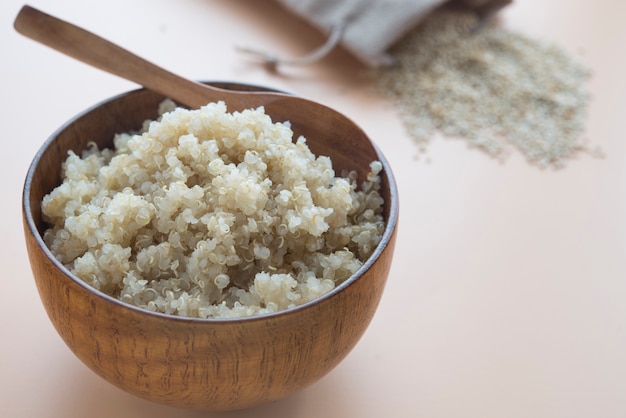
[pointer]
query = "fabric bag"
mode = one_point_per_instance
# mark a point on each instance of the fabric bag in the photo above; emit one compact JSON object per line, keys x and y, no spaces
{"x":367,"y":28}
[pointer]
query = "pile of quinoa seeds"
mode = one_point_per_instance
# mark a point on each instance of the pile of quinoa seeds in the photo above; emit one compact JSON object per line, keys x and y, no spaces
{"x":496,"y":89}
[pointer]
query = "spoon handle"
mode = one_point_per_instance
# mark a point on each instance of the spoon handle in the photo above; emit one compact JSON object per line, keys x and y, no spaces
{"x":98,"y":52}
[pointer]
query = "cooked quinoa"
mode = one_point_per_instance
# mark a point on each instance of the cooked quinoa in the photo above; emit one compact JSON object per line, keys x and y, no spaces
{"x":207,"y":213}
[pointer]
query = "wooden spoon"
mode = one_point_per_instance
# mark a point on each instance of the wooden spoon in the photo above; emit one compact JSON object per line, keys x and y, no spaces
{"x":306,"y":117}
{"x":98,"y":52}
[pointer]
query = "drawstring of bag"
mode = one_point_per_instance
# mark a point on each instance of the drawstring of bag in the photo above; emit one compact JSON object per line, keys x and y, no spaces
{"x":273,"y":61}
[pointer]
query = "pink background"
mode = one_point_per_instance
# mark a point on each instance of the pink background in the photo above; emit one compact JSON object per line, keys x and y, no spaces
{"x":507,"y":293}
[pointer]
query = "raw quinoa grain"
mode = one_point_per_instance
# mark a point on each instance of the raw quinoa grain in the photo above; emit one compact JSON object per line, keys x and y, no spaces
{"x":497,"y":89}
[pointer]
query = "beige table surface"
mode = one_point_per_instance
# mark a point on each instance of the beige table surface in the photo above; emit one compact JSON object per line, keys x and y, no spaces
{"x":507,"y":296}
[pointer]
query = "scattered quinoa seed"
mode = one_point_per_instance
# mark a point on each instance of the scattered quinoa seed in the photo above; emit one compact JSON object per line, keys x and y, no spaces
{"x":496,"y":89}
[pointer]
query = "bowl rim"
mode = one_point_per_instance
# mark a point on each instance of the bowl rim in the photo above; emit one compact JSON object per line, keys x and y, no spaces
{"x":390,"y":227}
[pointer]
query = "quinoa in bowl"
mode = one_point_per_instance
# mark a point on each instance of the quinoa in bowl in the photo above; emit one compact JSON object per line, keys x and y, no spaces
{"x":211,"y":214}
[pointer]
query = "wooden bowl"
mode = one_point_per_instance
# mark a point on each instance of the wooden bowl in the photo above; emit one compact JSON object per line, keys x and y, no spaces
{"x":219,"y":364}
